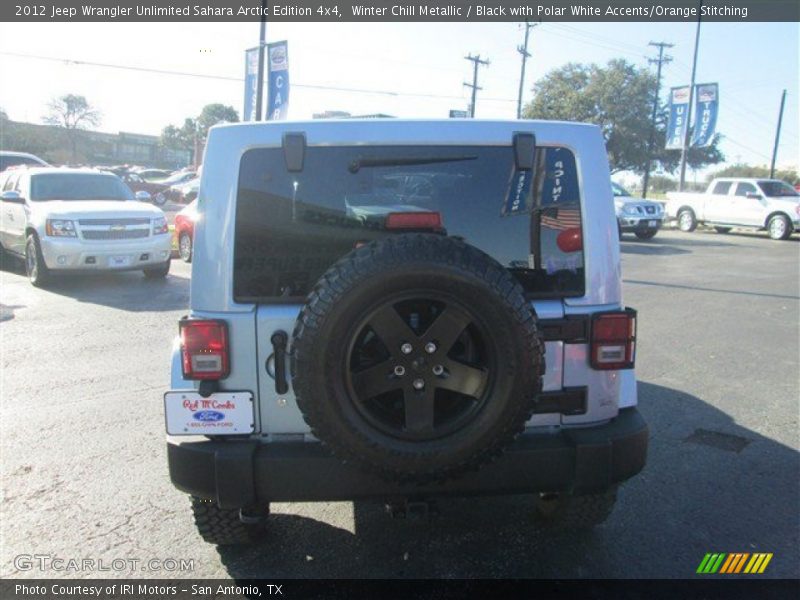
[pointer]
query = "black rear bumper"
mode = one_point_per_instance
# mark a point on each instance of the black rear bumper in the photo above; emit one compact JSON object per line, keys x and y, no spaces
{"x":246,"y":473}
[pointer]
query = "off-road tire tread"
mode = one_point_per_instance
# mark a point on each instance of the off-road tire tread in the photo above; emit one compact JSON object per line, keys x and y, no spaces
{"x":373,"y":258}
{"x":222,"y":526}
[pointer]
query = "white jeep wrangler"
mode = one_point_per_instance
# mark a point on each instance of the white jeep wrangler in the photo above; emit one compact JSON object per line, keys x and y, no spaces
{"x":398,"y":310}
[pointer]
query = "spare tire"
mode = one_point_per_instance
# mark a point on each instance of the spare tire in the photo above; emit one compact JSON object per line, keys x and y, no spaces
{"x":417,"y":357}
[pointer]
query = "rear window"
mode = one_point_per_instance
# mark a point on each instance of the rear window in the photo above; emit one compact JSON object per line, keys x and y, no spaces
{"x":78,"y":186}
{"x":14,"y":161}
{"x":292,"y":226}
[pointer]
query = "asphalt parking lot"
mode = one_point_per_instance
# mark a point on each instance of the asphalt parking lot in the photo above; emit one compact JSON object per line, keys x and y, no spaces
{"x":85,"y":363}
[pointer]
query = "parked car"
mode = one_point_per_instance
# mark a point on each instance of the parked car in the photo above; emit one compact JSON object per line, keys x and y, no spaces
{"x":183,"y":193}
{"x":769,"y":204}
{"x":184,"y":230}
{"x":401,"y":356}
{"x":66,"y":220}
{"x":153,"y":175}
{"x":636,"y":215}
{"x":157,"y":191}
{"x":13,"y":159}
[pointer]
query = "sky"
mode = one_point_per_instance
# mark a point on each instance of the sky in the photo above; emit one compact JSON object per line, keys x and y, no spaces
{"x":422,"y":65}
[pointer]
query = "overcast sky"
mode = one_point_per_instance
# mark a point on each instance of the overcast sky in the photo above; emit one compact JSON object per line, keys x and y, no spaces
{"x":753,"y":63}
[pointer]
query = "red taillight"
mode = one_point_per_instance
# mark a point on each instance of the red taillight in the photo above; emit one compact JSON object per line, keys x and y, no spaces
{"x":414,"y":220}
{"x":204,"y":349}
{"x":613,"y":340}
{"x":570,"y":240}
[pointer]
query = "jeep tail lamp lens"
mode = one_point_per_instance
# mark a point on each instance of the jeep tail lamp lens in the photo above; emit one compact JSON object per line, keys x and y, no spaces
{"x":204,"y":349}
{"x":613,"y":340}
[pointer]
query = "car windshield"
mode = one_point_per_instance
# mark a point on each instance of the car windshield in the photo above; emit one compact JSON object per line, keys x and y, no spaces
{"x":619,"y":190}
{"x":777,"y":189}
{"x":78,"y":186}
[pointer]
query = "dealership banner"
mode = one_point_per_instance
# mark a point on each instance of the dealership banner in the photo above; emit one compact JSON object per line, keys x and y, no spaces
{"x":706,"y":109}
{"x":250,"y":83}
{"x":278,"y":62}
{"x":678,"y":117}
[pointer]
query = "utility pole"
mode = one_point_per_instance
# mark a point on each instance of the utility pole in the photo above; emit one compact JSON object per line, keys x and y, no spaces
{"x":262,"y":44}
{"x":661,"y":60}
{"x":685,"y":149}
{"x":523,"y":50}
{"x":777,"y":137}
{"x":476,"y":62}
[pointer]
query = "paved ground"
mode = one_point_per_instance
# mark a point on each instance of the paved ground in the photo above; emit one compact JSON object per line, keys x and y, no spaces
{"x":83,"y":460}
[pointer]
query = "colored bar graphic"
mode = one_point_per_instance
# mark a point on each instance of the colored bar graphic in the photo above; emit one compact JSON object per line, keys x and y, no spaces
{"x":724,"y":563}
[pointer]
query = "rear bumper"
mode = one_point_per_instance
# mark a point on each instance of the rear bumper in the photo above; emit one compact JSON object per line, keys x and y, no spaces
{"x":245,"y":473}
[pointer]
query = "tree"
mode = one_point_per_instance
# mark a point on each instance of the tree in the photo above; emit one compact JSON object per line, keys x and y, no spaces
{"x":618,"y":98}
{"x":74,"y":114}
{"x":196,"y":129}
{"x":742,"y":170}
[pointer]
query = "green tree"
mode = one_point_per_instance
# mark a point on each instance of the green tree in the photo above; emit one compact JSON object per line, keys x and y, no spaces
{"x":743,"y":170}
{"x":74,"y":114}
{"x":195,"y":129}
{"x":618,"y":97}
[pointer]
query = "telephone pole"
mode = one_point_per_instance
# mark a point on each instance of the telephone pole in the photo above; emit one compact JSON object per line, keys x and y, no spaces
{"x":476,"y":62}
{"x":262,"y":44}
{"x":661,"y":60}
{"x":523,"y":50}
{"x":777,"y":137}
{"x":685,"y":149}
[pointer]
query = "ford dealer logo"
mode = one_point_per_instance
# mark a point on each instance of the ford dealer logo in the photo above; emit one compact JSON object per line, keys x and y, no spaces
{"x":208,"y":416}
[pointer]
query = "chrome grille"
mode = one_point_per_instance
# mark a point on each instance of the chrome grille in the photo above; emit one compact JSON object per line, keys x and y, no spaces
{"x":111,"y":222}
{"x":109,"y":234}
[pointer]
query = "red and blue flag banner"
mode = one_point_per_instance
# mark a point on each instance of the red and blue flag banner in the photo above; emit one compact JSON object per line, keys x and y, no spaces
{"x":250,"y":83}
{"x":278,"y":62}
{"x":706,"y":109}
{"x":678,"y":117}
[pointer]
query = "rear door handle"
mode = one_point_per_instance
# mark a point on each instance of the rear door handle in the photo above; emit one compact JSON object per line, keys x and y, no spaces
{"x":279,"y":341}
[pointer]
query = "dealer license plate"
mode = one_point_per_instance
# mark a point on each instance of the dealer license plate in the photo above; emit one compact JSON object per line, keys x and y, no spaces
{"x":652,"y":223}
{"x":223,"y":413}
{"x":120,"y":261}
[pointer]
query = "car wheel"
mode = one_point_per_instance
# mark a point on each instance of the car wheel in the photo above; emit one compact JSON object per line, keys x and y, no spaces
{"x":160,"y":199}
{"x":647,"y":235}
{"x":686,"y":220}
{"x":722,"y":229}
{"x":563,"y":510}
{"x":227,"y":527}
{"x":417,"y":358}
{"x":185,"y":247}
{"x":35,"y":268}
{"x":779,"y":227}
{"x":159,"y":272}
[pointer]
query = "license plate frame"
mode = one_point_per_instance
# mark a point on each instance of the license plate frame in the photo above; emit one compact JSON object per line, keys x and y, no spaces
{"x":652,"y":224}
{"x":119,"y":261}
{"x":186,"y":412}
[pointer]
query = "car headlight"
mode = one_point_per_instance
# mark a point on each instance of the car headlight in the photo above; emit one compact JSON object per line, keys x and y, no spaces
{"x":160,"y":226}
{"x":60,"y":228}
{"x":630,"y":210}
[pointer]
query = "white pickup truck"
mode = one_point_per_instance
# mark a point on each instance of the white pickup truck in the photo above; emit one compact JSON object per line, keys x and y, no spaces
{"x":769,"y":204}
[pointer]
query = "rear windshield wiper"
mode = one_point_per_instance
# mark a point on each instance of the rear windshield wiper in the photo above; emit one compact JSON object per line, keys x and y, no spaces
{"x":359,"y":163}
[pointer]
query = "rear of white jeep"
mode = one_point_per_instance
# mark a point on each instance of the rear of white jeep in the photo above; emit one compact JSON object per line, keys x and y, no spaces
{"x":403,"y":309}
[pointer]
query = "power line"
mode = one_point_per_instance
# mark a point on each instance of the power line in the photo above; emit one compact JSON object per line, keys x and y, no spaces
{"x":523,"y":50}
{"x":241,"y":79}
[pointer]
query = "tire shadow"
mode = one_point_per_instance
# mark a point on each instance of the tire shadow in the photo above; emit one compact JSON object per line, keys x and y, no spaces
{"x":710,"y":486}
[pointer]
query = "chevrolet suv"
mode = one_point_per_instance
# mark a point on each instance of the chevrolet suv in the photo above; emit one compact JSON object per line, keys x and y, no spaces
{"x":69,"y":220}
{"x":400,"y":310}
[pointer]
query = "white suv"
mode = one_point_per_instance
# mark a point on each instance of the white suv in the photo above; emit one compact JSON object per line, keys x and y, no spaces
{"x":67,"y":220}
{"x":403,"y":309}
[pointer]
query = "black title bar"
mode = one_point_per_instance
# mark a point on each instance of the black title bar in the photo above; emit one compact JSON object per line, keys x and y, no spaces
{"x":399,"y":11}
